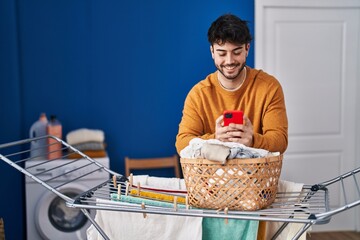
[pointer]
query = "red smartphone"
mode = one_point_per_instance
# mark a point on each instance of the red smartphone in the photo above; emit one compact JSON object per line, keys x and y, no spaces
{"x":233,"y":116}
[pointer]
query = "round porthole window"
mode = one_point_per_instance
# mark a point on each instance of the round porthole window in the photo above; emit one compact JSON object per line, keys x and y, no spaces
{"x":64,"y":218}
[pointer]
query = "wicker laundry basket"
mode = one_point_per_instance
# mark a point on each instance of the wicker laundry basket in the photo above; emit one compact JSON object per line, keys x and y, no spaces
{"x":240,"y":184}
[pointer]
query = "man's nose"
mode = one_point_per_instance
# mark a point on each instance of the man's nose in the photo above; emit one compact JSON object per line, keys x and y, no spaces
{"x":229,"y":59}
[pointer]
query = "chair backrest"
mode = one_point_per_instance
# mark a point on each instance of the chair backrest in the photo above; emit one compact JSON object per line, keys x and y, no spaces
{"x":152,"y":163}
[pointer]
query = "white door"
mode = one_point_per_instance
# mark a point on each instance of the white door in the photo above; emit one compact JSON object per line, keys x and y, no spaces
{"x":312,"y":47}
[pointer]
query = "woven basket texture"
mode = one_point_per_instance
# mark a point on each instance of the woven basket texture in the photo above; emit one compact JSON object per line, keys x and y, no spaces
{"x":240,"y":184}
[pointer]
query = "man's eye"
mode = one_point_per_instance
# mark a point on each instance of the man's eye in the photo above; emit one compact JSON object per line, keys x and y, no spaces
{"x":222,"y":54}
{"x":237,"y":53}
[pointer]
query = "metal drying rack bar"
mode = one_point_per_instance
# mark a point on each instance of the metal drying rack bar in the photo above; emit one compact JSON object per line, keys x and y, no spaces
{"x":308,"y":207}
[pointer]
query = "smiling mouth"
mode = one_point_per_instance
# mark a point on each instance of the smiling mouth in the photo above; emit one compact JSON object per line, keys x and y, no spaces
{"x":230,"y":67}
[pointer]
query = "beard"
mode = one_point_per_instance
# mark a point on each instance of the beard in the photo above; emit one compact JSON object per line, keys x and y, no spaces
{"x":234,"y":75}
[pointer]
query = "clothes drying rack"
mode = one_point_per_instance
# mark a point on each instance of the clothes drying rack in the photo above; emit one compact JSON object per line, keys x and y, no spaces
{"x":308,"y":207}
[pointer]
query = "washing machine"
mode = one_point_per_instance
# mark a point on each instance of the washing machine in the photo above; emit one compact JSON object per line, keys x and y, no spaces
{"x":47,"y":216}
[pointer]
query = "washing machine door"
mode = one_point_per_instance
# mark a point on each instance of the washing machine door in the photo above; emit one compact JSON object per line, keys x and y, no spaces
{"x":54,"y":220}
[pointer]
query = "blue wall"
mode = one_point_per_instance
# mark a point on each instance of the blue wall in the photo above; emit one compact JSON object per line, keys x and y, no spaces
{"x":121,"y":66}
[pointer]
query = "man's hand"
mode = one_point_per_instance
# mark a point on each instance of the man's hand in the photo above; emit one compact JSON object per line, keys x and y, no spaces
{"x":240,"y":133}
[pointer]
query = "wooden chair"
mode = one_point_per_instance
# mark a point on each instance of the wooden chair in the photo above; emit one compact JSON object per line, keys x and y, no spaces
{"x":152,"y":163}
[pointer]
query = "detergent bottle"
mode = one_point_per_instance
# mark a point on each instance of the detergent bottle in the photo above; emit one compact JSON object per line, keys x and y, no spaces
{"x":54,"y":128}
{"x":38,"y":148}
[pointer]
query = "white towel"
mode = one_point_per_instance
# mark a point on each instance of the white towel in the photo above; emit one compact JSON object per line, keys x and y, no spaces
{"x":290,"y":230}
{"x":167,"y":183}
{"x":83,"y":135}
{"x":126,"y":225}
{"x":141,"y":179}
{"x":159,"y":182}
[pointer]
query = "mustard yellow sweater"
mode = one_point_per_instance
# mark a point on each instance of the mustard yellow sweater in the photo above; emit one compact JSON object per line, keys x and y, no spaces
{"x":260,"y":97}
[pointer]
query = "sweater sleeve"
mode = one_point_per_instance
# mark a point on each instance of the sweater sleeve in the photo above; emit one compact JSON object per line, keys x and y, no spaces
{"x":274,"y":136}
{"x":192,"y":123}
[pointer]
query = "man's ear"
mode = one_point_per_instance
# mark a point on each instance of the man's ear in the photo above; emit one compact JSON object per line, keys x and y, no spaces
{"x":212,"y":51}
{"x":247,"y":48}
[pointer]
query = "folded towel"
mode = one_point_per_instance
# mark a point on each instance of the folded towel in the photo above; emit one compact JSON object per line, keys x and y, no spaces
{"x":89,"y":146}
{"x":85,"y":135}
{"x":89,"y":153}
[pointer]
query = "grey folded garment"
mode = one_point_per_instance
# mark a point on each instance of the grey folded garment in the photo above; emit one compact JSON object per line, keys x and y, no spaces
{"x":239,"y":152}
{"x":215,"y":152}
{"x":89,"y":146}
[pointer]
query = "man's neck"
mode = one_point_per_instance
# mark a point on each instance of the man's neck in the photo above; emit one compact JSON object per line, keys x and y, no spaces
{"x":233,"y":84}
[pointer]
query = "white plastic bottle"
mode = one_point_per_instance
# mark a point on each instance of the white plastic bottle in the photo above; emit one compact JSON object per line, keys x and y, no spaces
{"x":38,"y":129}
{"x":54,"y":128}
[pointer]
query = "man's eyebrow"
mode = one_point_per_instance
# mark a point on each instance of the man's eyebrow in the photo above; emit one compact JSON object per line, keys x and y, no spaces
{"x":238,"y":48}
{"x":222,"y":50}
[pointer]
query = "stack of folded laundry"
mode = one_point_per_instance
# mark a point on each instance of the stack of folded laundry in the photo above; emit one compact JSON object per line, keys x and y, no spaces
{"x":88,"y":141}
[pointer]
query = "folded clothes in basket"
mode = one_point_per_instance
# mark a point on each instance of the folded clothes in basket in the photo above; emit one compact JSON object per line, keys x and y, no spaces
{"x":215,"y":150}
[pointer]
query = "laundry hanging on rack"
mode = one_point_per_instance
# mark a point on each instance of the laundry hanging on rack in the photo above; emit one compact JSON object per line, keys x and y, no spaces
{"x":127,"y":225}
{"x":292,"y":228}
{"x":232,"y":229}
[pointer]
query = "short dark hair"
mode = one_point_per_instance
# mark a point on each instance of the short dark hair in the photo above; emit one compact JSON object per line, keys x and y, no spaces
{"x":229,"y":28}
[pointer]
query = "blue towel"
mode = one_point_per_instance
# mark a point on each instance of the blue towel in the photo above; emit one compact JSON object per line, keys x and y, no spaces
{"x":139,"y":200}
{"x":216,"y":228}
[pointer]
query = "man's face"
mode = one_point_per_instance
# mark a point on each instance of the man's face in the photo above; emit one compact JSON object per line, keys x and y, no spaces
{"x":229,"y":58}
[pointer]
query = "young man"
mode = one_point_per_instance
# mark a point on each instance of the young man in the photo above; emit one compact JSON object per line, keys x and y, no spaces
{"x":235,"y":86}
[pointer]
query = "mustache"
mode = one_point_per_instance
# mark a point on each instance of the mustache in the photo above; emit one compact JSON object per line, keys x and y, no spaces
{"x":231,"y":65}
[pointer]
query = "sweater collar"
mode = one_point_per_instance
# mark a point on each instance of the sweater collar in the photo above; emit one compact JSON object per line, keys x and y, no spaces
{"x":215,"y":81}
